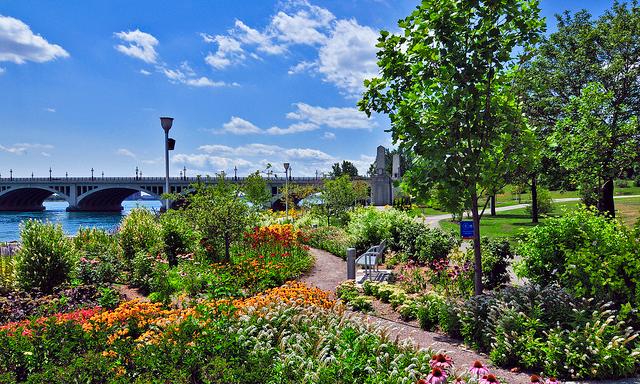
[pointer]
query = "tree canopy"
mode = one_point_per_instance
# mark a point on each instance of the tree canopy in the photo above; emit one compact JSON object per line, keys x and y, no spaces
{"x":445,"y":84}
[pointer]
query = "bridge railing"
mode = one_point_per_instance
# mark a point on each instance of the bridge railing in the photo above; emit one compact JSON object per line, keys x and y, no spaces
{"x":179,"y":180}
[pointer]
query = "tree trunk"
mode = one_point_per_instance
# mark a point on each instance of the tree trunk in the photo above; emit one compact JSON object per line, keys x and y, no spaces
{"x":476,"y":244}
{"x":606,"y":203}
{"x":227,"y":243}
{"x":493,"y":205}
{"x":534,"y":198}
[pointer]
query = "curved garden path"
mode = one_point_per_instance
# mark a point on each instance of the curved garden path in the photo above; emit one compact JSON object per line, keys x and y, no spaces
{"x":330,"y":270}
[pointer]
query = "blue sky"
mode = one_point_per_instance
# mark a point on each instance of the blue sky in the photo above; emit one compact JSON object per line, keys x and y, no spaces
{"x":83,"y":83}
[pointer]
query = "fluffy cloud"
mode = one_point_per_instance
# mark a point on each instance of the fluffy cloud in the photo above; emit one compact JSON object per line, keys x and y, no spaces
{"x":51,"y":110}
{"x":213,"y":158}
{"x":141,"y":45}
{"x":309,"y":118}
{"x":144,"y":72}
{"x":22,"y":148}
{"x":329,"y":136}
{"x":349,"y":56}
{"x":18,"y":44}
{"x":239,"y":126}
{"x":346,"y":49}
{"x":186,"y":75}
{"x":333,"y":117}
{"x":2,"y":70}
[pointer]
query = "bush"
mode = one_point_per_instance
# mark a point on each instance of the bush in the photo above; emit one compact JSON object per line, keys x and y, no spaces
{"x":496,"y":256}
{"x":178,"y":236}
{"x":622,"y":184}
{"x":100,"y":256}
{"x":7,"y":274}
{"x":140,"y":232}
{"x":424,"y":244}
{"x":545,"y":202}
{"x":545,"y":328}
{"x":46,"y":257}
{"x":369,"y":226}
{"x":334,"y":240}
{"x":587,"y":253}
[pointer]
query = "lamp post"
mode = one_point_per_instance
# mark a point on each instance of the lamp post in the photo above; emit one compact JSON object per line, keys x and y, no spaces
{"x":49,"y":173}
{"x":91,"y":173}
{"x":166,"y":123}
{"x":286,"y":188}
{"x":235,"y":173}
{"x":136,"y":172}
{"x":184,"y":172}
{"x":66,"y":175}
{"x":11,"y":174}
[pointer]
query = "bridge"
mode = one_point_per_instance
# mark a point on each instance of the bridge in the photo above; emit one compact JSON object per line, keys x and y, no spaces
{"x":105,"y":194}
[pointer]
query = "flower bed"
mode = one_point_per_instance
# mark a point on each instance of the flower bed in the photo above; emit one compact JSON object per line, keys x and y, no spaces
{"x":289,"y":334}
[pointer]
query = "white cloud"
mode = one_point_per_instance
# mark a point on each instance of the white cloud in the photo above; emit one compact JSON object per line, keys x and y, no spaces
{"x":329,"y":136}
{"x":141,"y":45}
{"x":144,"y":72}
{"x":18,"y":44}
{"x":186,"y":75}
{"x":49,"y":109}
{"x":22,"y":148}
{"x":125,"y":152}
{"x":229,"y":51}
{"x":309,"y":118}
{"x":249,"y":157}
{"x":346,"y":49}
{"x":333,"y":117}
{"x":293,"y":128}
{"x":302,"y":66}
{"x":2,"y":70}
{"x":349,"y":56}
{"x":239,"y":126}
{"x":45,"y":154}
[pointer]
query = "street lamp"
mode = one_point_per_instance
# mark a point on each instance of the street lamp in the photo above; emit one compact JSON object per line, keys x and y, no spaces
{"x":286,"y":188}
{"x":91,"y":173}
{"x":136,"y":172}
{"x":49,"y":173}
{"x":166,"y":123}
{"x":184,"y":169}
{"x":235,"y":173}
{"x":11,"y":174}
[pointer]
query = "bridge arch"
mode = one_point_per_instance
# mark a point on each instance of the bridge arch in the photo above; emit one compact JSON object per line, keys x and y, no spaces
{"x":29,"y":198}
{"x":106,"y":198}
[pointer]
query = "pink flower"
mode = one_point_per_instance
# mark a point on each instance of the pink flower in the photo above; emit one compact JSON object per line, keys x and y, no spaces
{"x":441,"y":361}
{"x":489,"y":379}
{"x":437,"y":376}
{"x":552,"y":380}
{"x":478,"y":369}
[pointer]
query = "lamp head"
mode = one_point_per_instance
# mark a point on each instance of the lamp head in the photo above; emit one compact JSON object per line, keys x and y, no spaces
{"x":166,"y":123}
{"x":286,"y":166}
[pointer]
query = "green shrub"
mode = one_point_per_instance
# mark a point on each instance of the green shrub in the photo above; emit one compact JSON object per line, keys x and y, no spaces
{"x":587,"y":253}
{"x":429,"y":311}
{"x":370,"y":226}
{"x":100,"y":256}
{"x":424,"y":244}
{"x":46,"y":257}
{"x":178,"y":236}
{"x":545,"y":202}
{"x":140,"y":232}
{"x":622,"y":184}
{"x":109,"y":298}
{"x":7,"y":274}
{"x":143,"y":268}
{"x":334,"y":240}
{"x":496,"y":257}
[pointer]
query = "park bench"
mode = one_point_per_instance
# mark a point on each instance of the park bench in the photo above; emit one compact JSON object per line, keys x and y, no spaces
{"x":371,"y":259}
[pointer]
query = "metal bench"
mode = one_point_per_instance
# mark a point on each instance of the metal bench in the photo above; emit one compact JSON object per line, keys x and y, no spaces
{"x":371,"y":259}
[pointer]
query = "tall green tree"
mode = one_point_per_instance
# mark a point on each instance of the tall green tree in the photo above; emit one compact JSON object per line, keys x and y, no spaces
{"x":445,"y":85}
{"x":581,"y":52}
{"x":256,"y":191}
{"x":338,"y":197}
{"x":217,"y":212}
{"x":347,"y":168}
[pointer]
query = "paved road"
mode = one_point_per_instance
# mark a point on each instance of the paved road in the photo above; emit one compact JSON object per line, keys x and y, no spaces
{"x":433,"y":221}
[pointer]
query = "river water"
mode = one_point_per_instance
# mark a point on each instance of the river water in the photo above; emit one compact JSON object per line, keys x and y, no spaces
{"x":56,"y":213}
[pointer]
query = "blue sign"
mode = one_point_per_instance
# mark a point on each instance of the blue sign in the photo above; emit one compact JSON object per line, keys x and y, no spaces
{"x":466,"y":229}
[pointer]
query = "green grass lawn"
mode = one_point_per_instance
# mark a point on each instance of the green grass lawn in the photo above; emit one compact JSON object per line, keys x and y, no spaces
{"x":510,"y":223}
{"x":509,"y":197}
